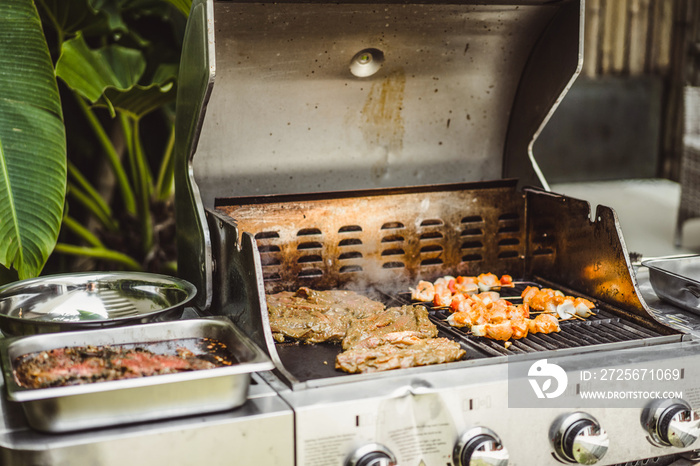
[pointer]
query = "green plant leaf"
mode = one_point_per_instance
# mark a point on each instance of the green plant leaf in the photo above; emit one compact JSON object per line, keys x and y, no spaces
{"x":183,"y":6}
{"x":110,"y":76}
{"x":112,"y":9}
{"x":90,"y":72}
{"x":69,"y":17}
{"x":140,"y":100}
{"x":32,"y":142}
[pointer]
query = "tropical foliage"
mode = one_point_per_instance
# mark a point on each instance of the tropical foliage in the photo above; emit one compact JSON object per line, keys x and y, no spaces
{"x":32,"y":142}
{"x":107,"y":178}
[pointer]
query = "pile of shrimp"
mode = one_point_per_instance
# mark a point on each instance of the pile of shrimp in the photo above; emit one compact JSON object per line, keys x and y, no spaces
{"x":441,"y":292}
{"x":555,"y":302}
{"x":473,"y":304}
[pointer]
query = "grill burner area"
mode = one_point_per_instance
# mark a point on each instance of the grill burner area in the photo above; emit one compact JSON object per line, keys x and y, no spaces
{"x":381,"y":242}
{"x":317,"y":361}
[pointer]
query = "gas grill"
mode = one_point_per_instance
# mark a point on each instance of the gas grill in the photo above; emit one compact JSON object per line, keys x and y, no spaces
{"x":381,"y":242}
{"x":366,"y":146}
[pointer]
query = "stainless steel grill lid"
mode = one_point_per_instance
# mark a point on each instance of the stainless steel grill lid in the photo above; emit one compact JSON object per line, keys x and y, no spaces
{"x":293,"y":97}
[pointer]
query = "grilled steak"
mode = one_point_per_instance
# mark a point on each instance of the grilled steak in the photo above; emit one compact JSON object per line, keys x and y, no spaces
{"x":395,"y":319}
{"x":316,"y":316}
{"x":88,"y":364}
{"x":397,"y":350}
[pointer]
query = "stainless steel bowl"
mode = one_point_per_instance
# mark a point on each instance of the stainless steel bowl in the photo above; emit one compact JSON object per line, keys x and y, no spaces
{"x":64,"y":302}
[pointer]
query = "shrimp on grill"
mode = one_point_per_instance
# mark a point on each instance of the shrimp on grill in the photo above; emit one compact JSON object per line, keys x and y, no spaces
{"x":466,"y":285}
{"x":489,"y":281}
{"x":497,"y":311}
{"x":460,"y":303}
{"x":466,"y":311}
{"x":424,"y":292}
{"x":443,"y":295}
{"x":519,"y":312}
{"x":520,"y":327}
{"x":544,"y":323}
{"x":555,"y":302}
{"x":487,"y":297}
{"x":486,"y":282}
{"x":474,"y":304}
{"x":468,"y":318}
{"x":469,"y":311}
{"x":501,"y":331}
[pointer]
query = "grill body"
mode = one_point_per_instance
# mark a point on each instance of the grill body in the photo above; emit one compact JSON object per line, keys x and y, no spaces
{"x":367,"y":146}
{"x":263,"y":245}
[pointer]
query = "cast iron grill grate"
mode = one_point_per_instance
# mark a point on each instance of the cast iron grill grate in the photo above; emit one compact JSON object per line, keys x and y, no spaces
{"x":602,"y":328}
{"x":316,"y":361}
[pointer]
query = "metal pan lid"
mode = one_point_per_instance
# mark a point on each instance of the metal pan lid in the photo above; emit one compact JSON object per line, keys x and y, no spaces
{"x":93,"y":297}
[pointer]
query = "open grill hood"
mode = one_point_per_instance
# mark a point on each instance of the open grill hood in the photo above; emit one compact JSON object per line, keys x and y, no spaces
{"x":294,"y":97}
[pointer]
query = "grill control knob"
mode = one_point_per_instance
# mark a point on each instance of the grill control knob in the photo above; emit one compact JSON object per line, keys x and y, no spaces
{"x":372,"y":454}
{"x":578,"y":438}
{"x":479,"y":446}
{"x":671,"y":423}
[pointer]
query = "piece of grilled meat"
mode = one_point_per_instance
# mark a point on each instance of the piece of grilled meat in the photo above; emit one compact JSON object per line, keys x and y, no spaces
{"x":314,"y":316}
{"x":397,"y":350}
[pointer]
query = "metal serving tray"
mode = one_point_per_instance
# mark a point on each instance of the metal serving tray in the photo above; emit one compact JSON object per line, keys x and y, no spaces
{"x":70,"y":408}
{"x":676,"y":280}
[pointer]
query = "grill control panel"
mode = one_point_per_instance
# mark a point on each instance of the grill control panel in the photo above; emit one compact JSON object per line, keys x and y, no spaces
{"x":480,"y":446}
{"x":371,"y":454}
{"x":578,"y":438}
{"x":464,"y":417}
{"x":671,"y":423}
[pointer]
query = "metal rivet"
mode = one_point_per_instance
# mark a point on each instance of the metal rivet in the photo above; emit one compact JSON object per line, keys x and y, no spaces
{"x":366,"y":62}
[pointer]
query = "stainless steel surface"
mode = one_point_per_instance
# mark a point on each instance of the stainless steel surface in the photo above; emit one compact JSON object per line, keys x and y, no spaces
{"x":285,"y":100}
{"x":90,"y":300}
{"x":671,"y":422}
{"x":578,"y":438}
{"x":268,"y":102}
{"x":676,"y":317}
{"x":480,"y":446}
{"x":69,"y":408}
{"x":544,"y":84}
{"x":420,"y":416}
{"x":260,"y":432}
{"x":387,"y":239}
{"x":583,"y":250}
{"x":195,"y":81}
{"x":378,"y":240}
{"x":431,"y":406}
{"x":293,"y":101}
{"x":371,"y":454}
{"x":676,"y":280}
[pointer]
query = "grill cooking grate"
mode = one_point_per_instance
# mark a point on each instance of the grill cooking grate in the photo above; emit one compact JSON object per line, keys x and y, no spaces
{"x":317,"y":361}
{"x":601,"y":328}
